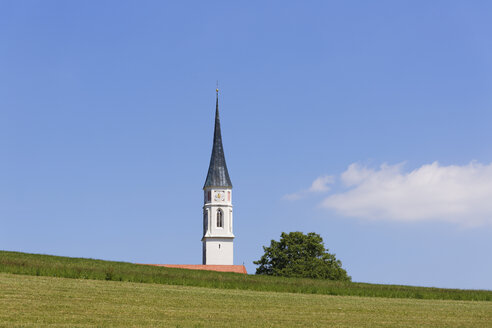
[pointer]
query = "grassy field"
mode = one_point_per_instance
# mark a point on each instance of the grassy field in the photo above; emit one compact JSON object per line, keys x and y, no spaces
{"x":79,"y":268}
{"x":29,"y":301}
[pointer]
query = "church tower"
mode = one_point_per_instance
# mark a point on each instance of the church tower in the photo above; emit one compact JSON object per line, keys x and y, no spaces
{"x":217,"y":209}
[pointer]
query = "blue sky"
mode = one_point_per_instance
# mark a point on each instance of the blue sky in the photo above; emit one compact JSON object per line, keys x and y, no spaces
{"x":366,"y":122}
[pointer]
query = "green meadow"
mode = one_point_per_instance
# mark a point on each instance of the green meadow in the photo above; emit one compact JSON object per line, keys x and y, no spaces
{"x":52,"y":291}
{"x":80,"y":268}
{"x":29,"y":301}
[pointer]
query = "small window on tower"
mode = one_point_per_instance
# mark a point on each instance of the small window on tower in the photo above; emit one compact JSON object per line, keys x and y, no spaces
{"x":220,"y":218}
{"x":209,"y":195}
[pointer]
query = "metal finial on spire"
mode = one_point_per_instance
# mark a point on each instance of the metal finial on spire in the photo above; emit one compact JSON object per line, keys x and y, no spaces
{"x":217,"y":90}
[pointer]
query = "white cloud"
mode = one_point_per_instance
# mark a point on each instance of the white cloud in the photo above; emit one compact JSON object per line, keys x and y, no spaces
{"x":461,"y":194}
{"x":321,"y":184}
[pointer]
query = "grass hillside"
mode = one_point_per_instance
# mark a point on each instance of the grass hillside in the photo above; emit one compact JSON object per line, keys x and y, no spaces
{"x":29,"y":301}
{"x":80,"y":268}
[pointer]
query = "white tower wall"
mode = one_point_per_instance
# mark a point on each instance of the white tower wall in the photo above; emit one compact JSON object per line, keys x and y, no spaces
{"x":218,"y":251}
{"x":218,"y":227}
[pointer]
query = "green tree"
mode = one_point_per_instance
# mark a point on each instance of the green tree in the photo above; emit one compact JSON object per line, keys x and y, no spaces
{"x":300,"y":255}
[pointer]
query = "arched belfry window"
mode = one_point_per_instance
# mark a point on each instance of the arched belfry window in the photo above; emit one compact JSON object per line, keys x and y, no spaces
{"x":220,"y":218}
{"x":205,"y":221}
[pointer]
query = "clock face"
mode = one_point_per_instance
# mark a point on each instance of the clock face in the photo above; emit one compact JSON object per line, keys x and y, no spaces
{"x":219,"y":196}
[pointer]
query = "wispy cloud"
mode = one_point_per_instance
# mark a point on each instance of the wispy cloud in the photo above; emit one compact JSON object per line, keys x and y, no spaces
{"x":461,"y":194}
{"x":321,"y":184}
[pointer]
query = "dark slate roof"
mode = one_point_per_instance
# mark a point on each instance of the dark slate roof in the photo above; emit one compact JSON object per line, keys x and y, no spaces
{"x":217,"y":176}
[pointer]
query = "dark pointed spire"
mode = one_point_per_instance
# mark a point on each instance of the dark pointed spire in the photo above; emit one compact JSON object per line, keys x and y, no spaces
{"x":217,"y":176}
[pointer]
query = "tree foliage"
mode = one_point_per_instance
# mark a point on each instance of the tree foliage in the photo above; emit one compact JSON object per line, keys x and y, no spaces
{"x":300,"y":255}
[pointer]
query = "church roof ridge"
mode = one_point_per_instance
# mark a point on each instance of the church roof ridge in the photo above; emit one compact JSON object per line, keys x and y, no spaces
{"x":217,"y":176}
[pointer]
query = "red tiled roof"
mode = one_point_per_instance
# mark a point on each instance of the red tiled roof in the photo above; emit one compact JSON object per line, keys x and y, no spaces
{"x":221,"y":268}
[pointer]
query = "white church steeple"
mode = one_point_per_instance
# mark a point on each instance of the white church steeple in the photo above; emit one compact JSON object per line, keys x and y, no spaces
{"x":217,"y":209}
